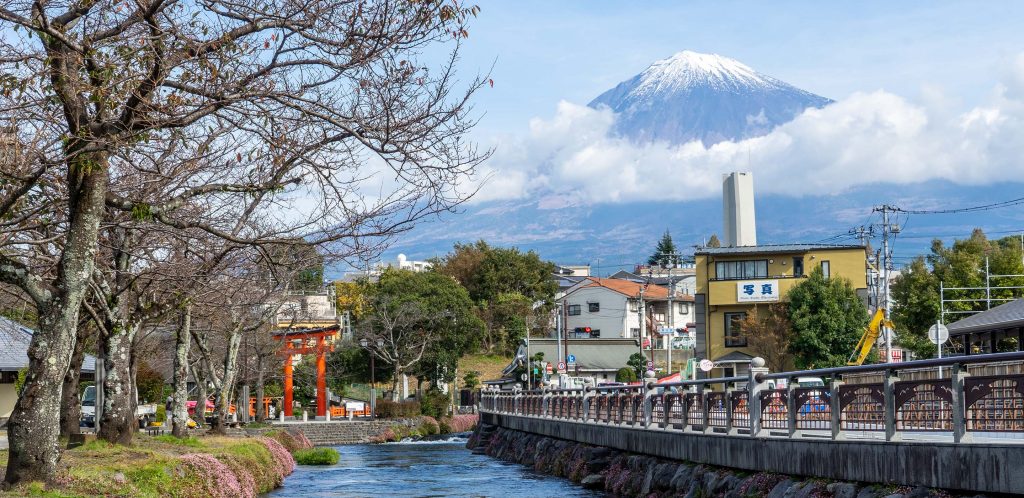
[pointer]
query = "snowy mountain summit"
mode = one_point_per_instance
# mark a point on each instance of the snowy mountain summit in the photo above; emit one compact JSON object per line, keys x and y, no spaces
{"x":707,"y":97}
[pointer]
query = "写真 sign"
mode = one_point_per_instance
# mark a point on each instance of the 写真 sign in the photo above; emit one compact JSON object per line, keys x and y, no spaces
{"x":755,"y":291}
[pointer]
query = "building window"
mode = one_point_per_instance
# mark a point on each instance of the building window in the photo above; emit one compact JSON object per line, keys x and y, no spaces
{"x":826,"y":268}
{"x":736,"y":270}
{"x":684,"y":308}
{"x":634,"y":332}
{"x":574,"y":309}
{"x":733,"y":338}
{"x":593,"y":307}
{"x":634,"y":306}
{"x":798,"y":266}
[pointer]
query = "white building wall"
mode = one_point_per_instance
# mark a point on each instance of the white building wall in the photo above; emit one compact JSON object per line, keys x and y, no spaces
{"x":611,"y":319}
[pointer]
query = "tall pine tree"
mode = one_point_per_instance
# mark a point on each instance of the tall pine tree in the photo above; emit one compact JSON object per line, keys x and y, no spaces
{"x":665,"y":255}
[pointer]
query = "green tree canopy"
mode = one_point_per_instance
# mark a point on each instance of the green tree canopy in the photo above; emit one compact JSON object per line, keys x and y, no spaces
{"x":638,"y":362}
{"x":915,"y":295}
{"x":625,"y":374}
{"x":916,"y":291}
{"x":439,"y":322}
{"x":828,"y":320}
{"x":665,"y":254}
{"x":505,"y":285}
{"x":714,"y":242}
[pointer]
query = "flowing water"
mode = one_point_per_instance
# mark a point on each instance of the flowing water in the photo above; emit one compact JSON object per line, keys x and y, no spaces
{"x":423,"y":468}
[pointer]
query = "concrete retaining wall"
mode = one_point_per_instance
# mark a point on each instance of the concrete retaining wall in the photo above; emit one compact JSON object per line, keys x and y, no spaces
{"x":343,"y":432}
{"x":994,"y":468}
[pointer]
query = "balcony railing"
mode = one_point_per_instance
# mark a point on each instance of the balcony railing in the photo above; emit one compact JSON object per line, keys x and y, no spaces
{"x":956,"y":407}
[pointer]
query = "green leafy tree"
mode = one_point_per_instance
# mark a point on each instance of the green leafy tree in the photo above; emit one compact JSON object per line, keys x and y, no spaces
{"x":665,"y":254}
{"x":915,"y":295}
{"x":828,"y":320}
{"x":638,"y":362}
{"x":471,"y":380}
{"x":625,"y":374}
{"x":512,"y":290}
{"x":423,"y":321}
{"x":956,"y":267}
{"x":714,"y":242}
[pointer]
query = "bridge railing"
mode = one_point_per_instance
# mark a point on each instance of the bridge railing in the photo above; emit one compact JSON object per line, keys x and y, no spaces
{"x":954,"y":405}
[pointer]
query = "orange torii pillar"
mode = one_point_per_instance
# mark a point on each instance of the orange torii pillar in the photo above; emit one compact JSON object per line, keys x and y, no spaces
{"x":321,"y":378}
{"x":288,"y":370}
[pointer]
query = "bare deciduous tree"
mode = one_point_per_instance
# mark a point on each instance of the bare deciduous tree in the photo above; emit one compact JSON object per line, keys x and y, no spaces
{"x":315,"y":117}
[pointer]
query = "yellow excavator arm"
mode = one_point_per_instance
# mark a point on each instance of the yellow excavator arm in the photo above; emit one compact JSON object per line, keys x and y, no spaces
{"x":870,"y":336}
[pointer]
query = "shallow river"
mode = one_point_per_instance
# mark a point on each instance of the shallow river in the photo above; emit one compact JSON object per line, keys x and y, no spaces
{"x":438,"y":468}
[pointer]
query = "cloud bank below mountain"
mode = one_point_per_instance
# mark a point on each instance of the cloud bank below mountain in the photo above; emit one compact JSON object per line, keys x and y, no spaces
{"x":572,"y":158}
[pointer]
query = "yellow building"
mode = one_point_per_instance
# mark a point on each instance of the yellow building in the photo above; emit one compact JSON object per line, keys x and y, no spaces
{"x":732,"y":280}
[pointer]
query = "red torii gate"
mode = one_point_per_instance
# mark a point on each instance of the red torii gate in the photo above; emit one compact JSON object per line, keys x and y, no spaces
{"x":308,"y":341}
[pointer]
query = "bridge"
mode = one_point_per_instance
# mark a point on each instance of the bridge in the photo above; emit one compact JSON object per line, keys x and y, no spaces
{"x":950,"y":423}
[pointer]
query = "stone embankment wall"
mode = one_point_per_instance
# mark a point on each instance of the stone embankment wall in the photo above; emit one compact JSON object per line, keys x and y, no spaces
{"x":625,"y":474}
{"x":341,"y":432}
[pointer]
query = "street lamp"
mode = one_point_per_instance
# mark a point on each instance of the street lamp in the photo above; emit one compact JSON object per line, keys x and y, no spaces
{"x":373,"y":379}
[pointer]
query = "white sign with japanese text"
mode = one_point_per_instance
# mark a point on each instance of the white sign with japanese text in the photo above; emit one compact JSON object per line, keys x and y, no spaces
{"x":754,"y":291}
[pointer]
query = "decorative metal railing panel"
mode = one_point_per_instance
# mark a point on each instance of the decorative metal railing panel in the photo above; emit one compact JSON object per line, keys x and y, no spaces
{"x":924,"y":405}
{"x":694,"y":410}
{"x":862,"y":407}
{"x":994,"y":404}
{"x":740,"y":406}
{"x":659,"y":416}
{"x":714,"y":405}
{"x":813,"y":408}
{"x":774,"y":409}
{"x":675,"y":405}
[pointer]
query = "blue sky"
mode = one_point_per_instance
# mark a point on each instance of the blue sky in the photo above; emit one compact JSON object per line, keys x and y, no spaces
{"x":547,"y":51}
{"x":929,"y":114}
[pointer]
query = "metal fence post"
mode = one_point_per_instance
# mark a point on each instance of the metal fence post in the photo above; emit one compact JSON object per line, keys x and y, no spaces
{"x":891,"y":378}
{"x":754,"y":387}
{"x":835,"y":409}
{"x":959,"y":405}
{"x":649,"y":391}
{"x":791,"y":408}
{"x":728,"y":409}
{"x":706,"y":410}
{"x":587,"y":396}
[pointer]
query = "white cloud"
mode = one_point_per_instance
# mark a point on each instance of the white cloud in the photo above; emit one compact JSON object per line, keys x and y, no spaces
{"x":867,"y":138}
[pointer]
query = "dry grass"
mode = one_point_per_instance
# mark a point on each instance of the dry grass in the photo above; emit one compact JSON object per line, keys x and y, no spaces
{"x":489,"y":366}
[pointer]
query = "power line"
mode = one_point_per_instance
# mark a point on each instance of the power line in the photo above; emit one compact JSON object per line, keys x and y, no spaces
{"x":984,"y":207}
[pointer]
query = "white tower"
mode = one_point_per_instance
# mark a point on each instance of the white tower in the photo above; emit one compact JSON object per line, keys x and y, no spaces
{"x":738,"y":210}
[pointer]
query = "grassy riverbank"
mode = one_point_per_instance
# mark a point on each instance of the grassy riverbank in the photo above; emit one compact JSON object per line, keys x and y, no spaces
{"x":166,"y":466}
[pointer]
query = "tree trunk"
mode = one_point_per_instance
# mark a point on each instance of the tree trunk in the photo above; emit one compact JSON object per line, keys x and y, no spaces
{"x":394,"y":385}
{"x":118,"y":424}
{"x":179,"y":400}
{"x":34,"y":425}
{"x":200,"y":375}
{"x":227,"y":381}
{"x":71,"y":404}
{"x":260,"y":414}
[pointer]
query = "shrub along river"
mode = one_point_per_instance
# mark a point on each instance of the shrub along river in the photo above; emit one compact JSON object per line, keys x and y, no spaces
{"x":423,"y":468}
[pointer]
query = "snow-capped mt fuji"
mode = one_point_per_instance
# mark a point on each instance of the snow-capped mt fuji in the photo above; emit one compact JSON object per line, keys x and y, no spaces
{"x":706,"y":97}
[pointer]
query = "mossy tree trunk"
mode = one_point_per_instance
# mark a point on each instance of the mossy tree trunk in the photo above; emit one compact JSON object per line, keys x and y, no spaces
{"x":179,"y":400}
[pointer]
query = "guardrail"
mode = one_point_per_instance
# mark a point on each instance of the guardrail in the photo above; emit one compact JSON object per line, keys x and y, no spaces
{"x":957,"y":405}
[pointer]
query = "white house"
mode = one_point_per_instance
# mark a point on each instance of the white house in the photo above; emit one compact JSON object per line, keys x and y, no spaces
{"x":610,"y":308}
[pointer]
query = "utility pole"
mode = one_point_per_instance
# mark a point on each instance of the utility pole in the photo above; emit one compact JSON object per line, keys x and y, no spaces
{"x":640,"y":316}
{"x":887,"y":230}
